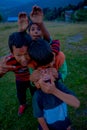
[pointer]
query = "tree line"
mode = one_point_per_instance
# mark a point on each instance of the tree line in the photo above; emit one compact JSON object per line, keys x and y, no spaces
{"x":79,"y":12}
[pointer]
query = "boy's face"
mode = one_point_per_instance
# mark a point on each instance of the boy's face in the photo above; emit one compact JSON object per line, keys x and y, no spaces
{"x":35,"y":31}
{"x":21,"y":55}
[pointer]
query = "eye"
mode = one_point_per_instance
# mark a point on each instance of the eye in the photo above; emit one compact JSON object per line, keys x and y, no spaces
{"x":38,"y":29}
{"x":32,"y":29}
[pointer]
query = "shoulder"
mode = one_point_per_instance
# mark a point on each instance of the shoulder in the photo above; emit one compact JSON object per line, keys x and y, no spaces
{"x":38,"y":94}
{"x":37,"y":97}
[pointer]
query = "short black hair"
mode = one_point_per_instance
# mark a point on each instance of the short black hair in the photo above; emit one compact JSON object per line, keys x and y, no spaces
{"x":19,"y":39}
{"x":40,"y":51}
{"x":30,"y":24}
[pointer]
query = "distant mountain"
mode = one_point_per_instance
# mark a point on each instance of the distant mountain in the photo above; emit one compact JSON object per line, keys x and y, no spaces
{"x":13,"y":7}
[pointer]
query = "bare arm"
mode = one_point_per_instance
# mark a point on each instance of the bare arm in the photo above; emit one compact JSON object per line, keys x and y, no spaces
{"x":51,"y":89}
{"x":23,"y":22}
{"x":69,"y":99}
{"x":37,"y":17}
{"x":43,"y":123}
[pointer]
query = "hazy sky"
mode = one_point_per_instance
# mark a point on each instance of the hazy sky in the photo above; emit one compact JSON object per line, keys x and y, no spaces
{"x":12,"y":3}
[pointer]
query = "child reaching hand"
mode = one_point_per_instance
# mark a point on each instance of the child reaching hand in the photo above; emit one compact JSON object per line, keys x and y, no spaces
{"x":51,"y":98}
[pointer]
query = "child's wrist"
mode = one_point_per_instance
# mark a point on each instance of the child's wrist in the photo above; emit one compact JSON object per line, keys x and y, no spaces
{"x":40,"y":23}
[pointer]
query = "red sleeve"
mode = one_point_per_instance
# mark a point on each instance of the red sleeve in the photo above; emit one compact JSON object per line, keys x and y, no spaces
{"x":55,"y":45}
{"x":59,"y":60}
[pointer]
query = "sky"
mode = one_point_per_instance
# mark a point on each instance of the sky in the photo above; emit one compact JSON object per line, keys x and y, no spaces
{"x":11,"y":3}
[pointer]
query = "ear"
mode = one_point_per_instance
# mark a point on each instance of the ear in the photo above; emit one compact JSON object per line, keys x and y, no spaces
{"x":32,"y":64}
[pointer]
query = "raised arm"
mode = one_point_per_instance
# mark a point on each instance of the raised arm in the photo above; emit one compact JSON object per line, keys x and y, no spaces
{"x":23,"y":21}
{"x":36,"y":16}
{"x":52,"y":89}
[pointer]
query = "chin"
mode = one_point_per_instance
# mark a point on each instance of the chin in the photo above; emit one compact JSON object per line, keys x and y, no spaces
{"x":23,"y":64}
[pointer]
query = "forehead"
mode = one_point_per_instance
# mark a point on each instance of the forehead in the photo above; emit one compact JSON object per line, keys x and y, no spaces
{"x":34,"y":25}
{"x":20,"y":50}
{"x":22,"y":14}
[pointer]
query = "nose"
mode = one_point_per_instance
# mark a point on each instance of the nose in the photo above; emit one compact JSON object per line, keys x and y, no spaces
{"x":36,"y":32}
{"x":23,"y":59}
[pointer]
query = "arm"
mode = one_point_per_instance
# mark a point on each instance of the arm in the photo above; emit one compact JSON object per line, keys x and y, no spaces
{"x":37,"y":17}
{"x":65,"y":97}
{"x":43,"y":123}
{"x":38,"y":109}
{"x":68,"y":98}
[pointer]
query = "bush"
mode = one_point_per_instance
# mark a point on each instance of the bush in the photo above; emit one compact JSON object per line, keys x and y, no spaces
{"x":81,"y":15}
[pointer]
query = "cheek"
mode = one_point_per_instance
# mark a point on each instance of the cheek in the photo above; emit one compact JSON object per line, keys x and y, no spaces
{"x":31,"y":32}
{"x":28,"y":58}
{"x":17,"y":58}
{"x":40,"y":33}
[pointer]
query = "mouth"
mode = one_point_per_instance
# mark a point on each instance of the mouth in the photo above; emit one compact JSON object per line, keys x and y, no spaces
{"x":36,"y":37}
{"x":24,"y":63}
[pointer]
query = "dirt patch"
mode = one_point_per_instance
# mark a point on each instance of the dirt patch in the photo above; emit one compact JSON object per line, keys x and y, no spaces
{"x":76,"y":38}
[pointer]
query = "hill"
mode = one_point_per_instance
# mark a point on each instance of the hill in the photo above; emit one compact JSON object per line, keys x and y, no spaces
{"x":13,"y":7}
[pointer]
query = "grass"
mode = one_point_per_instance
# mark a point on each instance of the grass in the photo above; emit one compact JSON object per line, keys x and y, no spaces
{"x":76,"y":57}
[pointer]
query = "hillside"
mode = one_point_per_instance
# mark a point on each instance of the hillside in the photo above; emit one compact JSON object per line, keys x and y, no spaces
{"x":13,"y":7}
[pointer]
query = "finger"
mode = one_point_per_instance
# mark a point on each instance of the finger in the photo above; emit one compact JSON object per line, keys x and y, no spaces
{"x":4,"y":60}
{"x":37,"y":9}
{"x":3,"y":70}
{"x":9,"y":67}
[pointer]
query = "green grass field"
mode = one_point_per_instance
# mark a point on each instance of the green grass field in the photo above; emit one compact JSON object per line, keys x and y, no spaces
{"x":73,"y":38}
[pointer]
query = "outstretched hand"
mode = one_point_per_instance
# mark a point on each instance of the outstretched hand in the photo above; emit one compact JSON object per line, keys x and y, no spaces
{"x":23,"y":21}
{"x":4,"y":67}
{"x":36,"y":15}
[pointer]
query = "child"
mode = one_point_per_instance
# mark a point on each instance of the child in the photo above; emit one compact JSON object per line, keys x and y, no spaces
{"x":51,"y":99}
{"x":37,"y":30}
{"x":17,"y":62}
{"x":36,"y":17}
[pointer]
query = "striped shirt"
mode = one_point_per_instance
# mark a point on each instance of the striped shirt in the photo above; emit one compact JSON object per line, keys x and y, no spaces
{"x":21,"y":73}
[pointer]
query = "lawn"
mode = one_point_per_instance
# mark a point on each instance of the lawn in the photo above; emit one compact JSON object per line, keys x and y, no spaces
{"x":73,"y":38}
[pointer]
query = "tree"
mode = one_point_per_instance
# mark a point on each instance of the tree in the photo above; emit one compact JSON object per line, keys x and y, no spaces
{"x":81,"y":15}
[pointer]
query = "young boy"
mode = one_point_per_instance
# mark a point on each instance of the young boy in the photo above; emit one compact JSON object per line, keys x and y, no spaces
{"x":36,"y":17}
{"x":51,"y":99}
{"x":17,"y":62}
